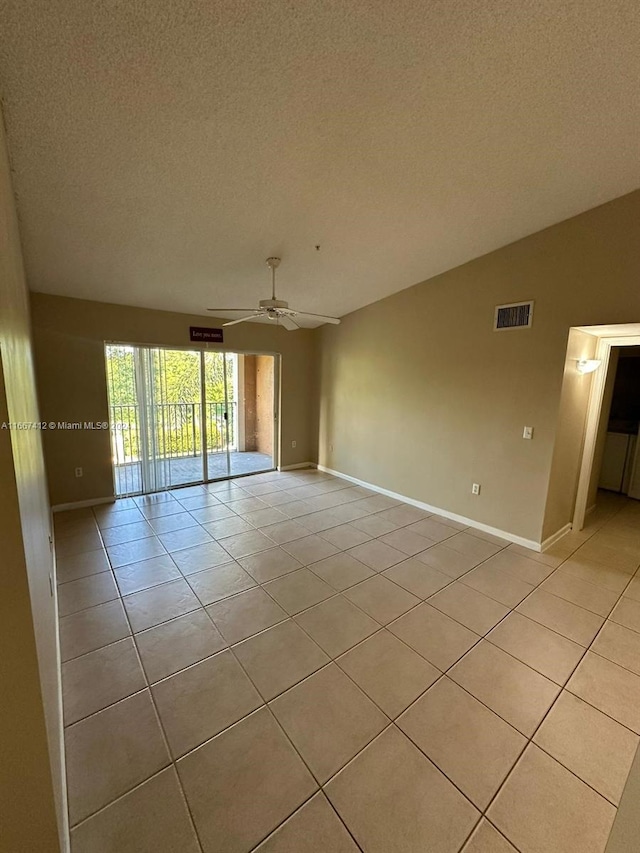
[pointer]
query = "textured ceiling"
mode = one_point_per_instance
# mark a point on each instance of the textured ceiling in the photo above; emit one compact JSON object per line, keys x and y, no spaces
{"x":162,"y":150}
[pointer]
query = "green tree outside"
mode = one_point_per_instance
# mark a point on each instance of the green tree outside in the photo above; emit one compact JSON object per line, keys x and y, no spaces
{"x":174,"y":394}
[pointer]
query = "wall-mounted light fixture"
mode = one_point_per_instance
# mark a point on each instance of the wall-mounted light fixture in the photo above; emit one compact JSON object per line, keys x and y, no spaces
{"x":587,"y":365}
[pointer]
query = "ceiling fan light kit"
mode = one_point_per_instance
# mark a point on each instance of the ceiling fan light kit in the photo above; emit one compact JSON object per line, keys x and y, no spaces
{"x":275,"y":309}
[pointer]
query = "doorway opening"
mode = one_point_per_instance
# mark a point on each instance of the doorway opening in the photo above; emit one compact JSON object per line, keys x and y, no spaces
{"x":611,"y":342}
{"x":616,"y":465}
{"x":182,"y":416}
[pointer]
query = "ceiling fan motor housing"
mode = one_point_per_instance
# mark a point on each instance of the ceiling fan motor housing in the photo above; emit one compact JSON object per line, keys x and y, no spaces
{"x":273,"y":303}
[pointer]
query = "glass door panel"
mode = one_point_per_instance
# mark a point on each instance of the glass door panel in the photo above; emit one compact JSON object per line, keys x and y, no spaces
{"x":124,"y":419}
{"x":185,"y":416}
{"x":171,"y":412}
{"x":155,"y":413}
{"x":218,"y":367}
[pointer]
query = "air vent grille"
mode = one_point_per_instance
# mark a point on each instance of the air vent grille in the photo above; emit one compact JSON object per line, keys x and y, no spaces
{"x":516,"y":315}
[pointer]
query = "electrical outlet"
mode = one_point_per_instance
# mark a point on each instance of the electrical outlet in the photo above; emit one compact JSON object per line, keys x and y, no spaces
{"x":527,"y":432}
{"x":475,"y":488}
{"x":78,"y":472}
{"x":294,"y":444}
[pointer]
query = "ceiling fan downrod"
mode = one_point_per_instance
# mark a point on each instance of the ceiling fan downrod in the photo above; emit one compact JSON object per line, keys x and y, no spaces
{"x":273,"y":264}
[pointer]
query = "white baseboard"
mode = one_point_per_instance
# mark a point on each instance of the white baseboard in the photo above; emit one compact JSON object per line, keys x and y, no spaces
{"x":469,"y":522}
{"x":82,"y":504}
{"x":297,"y":465}
{"x":551,"y":540}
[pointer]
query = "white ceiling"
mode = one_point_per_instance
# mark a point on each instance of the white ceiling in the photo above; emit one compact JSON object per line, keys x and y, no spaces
{"x":162,"y":150}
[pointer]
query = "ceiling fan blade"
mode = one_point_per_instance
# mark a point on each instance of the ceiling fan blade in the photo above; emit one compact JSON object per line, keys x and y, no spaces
{"x":287,"y":322}
{"x":274,"y":309}
{"x":320,"y":317}
{"x":243,"y":319}
{"x":229,"y":310}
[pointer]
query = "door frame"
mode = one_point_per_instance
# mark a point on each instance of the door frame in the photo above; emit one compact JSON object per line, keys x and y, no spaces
{"x":202,"y":348}
{"x":608,"y":337}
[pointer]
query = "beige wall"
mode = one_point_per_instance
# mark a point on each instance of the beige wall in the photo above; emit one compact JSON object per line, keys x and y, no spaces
{"x":69,"y":343}
{"x":32,"y":788}
{"x":568,"y":447}
{"x":420,"y":396}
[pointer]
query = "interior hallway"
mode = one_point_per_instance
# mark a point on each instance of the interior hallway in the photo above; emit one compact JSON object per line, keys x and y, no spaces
{"x":289,"y":662}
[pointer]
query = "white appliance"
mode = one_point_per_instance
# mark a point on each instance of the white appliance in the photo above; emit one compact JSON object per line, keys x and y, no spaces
{"x":619,"y":464}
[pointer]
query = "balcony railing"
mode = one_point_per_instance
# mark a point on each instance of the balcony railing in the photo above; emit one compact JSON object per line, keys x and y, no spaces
{"x":174,"y":430}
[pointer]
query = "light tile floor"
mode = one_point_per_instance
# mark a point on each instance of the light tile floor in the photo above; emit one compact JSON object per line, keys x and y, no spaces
{"x":289,"y":662}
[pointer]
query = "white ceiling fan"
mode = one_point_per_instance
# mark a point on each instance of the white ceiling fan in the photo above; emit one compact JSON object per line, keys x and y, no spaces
{"x":274,"y":309}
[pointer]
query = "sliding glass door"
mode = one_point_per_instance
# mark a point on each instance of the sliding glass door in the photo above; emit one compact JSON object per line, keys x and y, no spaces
{"x":169,"y":387}
{"x":221,"y":412}
{"x":179,"y":416}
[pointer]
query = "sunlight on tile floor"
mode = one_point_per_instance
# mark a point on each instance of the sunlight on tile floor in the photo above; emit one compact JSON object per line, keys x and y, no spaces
{"x":288,"y":662}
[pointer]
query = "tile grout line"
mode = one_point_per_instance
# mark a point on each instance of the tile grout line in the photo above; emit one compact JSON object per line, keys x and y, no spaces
{"x":261,"y":584}
{"x":332,"y":659}
{"x":172,"y":762}
{"x":266,"y":704}
{"x":165,"y":739}
{"x":232,"y":560}
{"x":393,"y":722}
{"x":380,"y":628}
{"x":278,"y":724}
{"x":281,"y":545}
{"x":530,"y":740}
